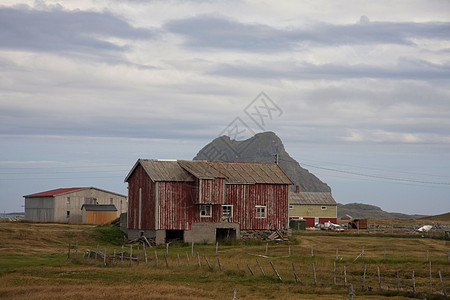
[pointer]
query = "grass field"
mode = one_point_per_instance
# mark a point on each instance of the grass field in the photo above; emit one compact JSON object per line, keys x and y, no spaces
{"x":34,"y":264}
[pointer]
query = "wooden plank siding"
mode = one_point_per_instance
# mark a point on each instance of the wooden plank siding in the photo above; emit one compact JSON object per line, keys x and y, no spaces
{"x":163,"y":203}
{"x":245,"y":198}
{"x":141,"y":180}
{"x":176,"y":205}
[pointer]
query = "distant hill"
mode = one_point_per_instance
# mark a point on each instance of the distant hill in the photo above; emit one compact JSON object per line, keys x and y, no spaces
{"x":262,"y":147}
{"x":441,"y":217}
{"x":359,"y":210}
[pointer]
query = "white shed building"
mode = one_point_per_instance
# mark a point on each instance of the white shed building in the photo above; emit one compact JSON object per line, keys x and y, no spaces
{"x":64,"y":204}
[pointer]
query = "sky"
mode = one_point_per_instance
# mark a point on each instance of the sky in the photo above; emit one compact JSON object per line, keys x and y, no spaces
{"x":358,"y":91}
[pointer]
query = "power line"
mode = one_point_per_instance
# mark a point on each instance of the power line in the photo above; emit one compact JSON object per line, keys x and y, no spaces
{"x":378,"y":176}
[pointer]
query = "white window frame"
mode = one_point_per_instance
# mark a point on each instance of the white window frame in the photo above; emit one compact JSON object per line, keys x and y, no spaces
{"x":68,"y":200}
{"x":291,"y":206}
{"x":261,"y":211}
{"x":323,"y":208}
{"x":204,"y":211}
{"x":228,"y":215}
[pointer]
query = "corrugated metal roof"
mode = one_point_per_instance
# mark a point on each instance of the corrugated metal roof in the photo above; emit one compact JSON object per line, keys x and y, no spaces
{"x":54,"y":192}
{"x":233,"y":172}
{"x":164,"y":170}
{"x":99,"y":207}
{"x":201,"y":169}
{"x":317,"y":198}
{"x":251,"y":172}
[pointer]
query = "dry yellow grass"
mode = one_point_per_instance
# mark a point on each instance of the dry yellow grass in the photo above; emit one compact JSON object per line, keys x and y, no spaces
{"x":33,"y":264}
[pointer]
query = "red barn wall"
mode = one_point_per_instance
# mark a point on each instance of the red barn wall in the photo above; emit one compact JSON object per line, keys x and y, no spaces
{"x":176,"y":205}
{"x":140,"y":179}
{"x":245,"y":198}
{"x":211,"y":191}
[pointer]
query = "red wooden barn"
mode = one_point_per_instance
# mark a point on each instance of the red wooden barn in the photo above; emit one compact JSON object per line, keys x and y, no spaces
{"x":205,"y":200}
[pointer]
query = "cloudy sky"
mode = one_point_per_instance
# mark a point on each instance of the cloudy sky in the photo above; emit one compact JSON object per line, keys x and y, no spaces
{"x":363,"y":90}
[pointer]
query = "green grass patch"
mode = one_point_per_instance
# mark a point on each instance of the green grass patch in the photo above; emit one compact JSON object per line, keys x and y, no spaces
{"x":10,"y":261}
{"x":110,"y":234}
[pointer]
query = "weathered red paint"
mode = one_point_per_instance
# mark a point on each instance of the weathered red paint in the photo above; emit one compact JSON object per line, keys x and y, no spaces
{"x":310,"y":222}
{"x":324,"y":220}
{"x":177,"y":204}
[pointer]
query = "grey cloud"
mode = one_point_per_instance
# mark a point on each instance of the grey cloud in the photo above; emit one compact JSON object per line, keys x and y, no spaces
{"x":405,"y":69}
{"x":215,"y":32}
{"x":61,"y":31}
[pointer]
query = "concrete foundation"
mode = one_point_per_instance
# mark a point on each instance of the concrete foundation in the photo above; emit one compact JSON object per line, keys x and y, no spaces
{"x":206,"y":232}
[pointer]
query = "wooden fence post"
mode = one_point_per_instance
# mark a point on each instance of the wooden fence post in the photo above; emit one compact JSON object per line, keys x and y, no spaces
{"x":398,"y":283}
{"x":167,"y":248}
{"x":276,"y":272}
{"x":165,"y":258}
{"x":198,"y":260}
{"x":379,"y":278}
{"x":234,"y":294}
{"x":251,"y":272}
{"x":121,"y":256}
{"x":442,"y":283}
{"x":384,"y":256}
{"x":289,"y":248}
{"x":314,"y":274}
{"x":345,"y":276}
{"x":337,"y":253}
{"x":430,"y":277}
{"x":131,"y":253}
{"x":260,"y":268}
{"x":334,"y":272}
{"x":350,"y":292}
{"x":218,"y":262}
{"x":187,"y":258}
{"x":209,"y":266}
{"x":156,"y":258}
{"x":364,"y":278}
{"x":76,"y":249}
{"x":114,"y":257}
{"x":145,"y":255}
{"x":312,"y":251}
{"x":413,"y":283}
{"x":104,"y":257}
{"x":362,"y":252}
{"x":68,"y":252}
{"x":267,"y":249}
{"x":217,"y":246}
{"x":295,"y":274}
{"x":427,"y":254}
{"x":192,"y":249}
{"x":137,"y":258}
{"x":95,"y":259}
{"x":178,"y":257}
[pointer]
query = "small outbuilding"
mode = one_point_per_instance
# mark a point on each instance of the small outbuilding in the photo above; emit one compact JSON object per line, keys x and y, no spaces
{"x":98,"y":213}
{"x":313,"y":207}
{"x":64,"y":204}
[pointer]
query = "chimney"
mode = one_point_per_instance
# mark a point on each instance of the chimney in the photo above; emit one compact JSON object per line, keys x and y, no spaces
{"x":297,"y":189}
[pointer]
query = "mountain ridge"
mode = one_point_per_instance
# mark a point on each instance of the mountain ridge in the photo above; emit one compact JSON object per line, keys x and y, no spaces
{"x":262,"y":147}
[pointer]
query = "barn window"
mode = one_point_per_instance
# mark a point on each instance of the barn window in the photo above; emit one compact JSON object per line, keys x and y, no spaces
{"x":205,"y":210}
{"x":68,"y":200}
{"x":68,"y":213}
{"x":260,"y":212}
{"x":291,"y":206}
{"x":323,"y":208}
{"x":227,"y":211}
{"x":111,"y":201}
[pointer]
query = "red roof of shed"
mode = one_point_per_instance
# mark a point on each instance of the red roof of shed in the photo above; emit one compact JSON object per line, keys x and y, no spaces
{"x":54,"y":192}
